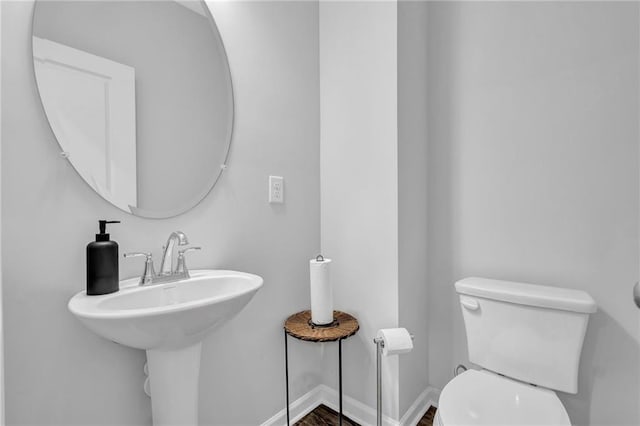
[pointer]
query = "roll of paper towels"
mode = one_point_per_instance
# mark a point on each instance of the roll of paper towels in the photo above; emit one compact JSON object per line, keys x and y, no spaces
{"x":396,"y":341}
{"x":321,"y":291}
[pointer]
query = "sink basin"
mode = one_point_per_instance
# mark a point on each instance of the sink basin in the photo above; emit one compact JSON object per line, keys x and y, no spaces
{"x":166,"y":316}
{"x":169,"y":321}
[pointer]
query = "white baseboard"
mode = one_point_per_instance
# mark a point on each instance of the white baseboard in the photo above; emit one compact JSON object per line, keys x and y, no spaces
{"x":428,"y":398}
{"x":297,"y":409}
{"x":352,"y":408}
{"x":433,"y":396}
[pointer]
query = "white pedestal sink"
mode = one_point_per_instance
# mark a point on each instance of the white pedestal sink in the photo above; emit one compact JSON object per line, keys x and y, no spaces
{"x":169,"y":321}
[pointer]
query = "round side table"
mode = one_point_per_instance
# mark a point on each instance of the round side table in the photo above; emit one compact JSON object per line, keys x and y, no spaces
{"x":300,"y":326}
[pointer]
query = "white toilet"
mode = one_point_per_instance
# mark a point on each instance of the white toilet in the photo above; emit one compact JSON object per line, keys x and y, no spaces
{"x":527,"y":339}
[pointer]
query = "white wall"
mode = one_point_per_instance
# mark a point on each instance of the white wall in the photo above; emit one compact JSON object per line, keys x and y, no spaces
{"x":57,"y":371}
{"x":533,"y":175}
{"x":412,"y":196}
{"x":359,"y":182}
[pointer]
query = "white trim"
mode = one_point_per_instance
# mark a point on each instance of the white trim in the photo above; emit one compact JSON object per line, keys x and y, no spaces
{"x":297,"y":409}
{"x":2,"y":405}
{"x":428,"y":398}
{"x":352,"y":408}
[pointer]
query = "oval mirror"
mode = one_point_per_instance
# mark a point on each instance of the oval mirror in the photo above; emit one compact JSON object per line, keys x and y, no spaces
{"x":139,"y":97}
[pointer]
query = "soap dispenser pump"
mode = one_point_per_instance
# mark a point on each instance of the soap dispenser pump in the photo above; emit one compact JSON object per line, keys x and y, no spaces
{"x":102,"y":263}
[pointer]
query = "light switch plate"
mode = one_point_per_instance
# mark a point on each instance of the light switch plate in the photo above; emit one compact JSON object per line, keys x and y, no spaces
{"x":276,"y":189}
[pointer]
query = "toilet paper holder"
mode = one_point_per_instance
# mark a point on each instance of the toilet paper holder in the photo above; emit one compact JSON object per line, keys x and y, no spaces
{"x":380,"y":341}
{"x":379,"y":346}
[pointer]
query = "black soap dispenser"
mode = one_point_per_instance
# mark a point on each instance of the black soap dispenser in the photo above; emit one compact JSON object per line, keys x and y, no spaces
{"x":102,"y":263}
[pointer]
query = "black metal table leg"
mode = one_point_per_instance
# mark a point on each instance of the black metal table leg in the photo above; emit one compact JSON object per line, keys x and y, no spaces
{"x":340,"y":376}
{"x":300,"y":326}
{"x":286,"y":372}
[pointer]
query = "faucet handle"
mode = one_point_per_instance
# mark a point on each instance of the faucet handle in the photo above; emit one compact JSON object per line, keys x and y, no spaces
{"x":136,"y":254}
{"x":149,"y":271}
{"x":187,"y":250}
{"x":182,"y":264}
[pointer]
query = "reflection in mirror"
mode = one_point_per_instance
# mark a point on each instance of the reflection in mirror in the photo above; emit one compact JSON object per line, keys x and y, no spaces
{"x":139,"y":97}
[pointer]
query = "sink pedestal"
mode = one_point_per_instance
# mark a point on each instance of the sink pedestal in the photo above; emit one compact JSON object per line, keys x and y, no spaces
{"x":173,"y":379}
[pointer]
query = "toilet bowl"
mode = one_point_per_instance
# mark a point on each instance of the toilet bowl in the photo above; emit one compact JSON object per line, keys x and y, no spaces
{"x":527,"y":340}
{"x":485,"y":398}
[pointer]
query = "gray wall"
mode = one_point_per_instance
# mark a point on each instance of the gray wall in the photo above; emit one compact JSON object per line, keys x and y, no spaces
{"x":58,"y":372}
{"x":359,"y":182}
{"x":182,"y":96}
{"x":412,"y":196}
{"x":533,"y":175}
{"x":373,"y":62}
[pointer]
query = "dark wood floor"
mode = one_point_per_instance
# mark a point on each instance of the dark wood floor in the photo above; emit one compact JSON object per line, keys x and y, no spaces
{"x":325,"y":416}
{"x":427,"y":419}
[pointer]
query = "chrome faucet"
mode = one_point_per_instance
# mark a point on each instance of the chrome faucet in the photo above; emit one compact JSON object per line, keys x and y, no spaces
{"x":166,"y":267}
{"x":167,"y":272}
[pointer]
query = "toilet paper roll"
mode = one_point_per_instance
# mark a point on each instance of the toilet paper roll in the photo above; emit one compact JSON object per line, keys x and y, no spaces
{"x":396,"y":341}
{"x":321,"y":291}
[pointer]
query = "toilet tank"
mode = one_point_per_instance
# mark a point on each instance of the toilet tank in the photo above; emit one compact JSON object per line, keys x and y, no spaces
{"x":528,"y":332}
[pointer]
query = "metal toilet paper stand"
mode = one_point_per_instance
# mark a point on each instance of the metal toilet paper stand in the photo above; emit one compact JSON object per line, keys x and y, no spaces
{"x":379,"y":346}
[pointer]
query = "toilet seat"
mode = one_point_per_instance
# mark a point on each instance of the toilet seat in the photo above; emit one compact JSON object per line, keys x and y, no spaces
{"x":485,"y":398}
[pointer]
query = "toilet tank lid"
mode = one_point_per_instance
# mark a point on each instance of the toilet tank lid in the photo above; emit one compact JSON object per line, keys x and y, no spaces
{"x":528,"y":294}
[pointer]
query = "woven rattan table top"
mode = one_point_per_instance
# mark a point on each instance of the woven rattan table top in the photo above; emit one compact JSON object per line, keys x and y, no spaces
{"x":299,"y":325}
